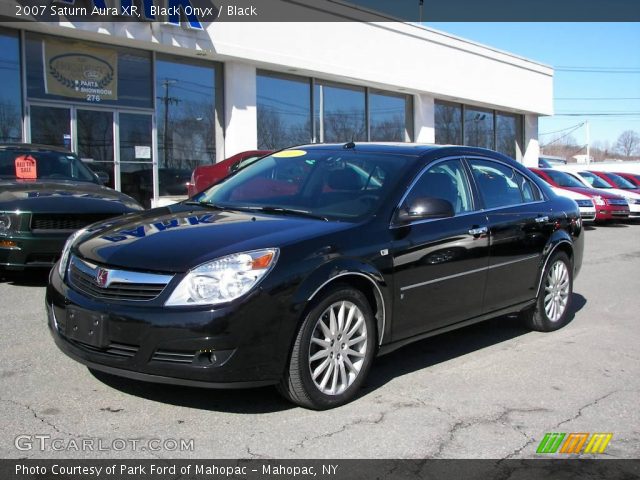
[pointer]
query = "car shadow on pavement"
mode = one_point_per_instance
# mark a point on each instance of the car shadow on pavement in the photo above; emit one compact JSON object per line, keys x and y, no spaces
{"x":27,"y":278}
{"x":249,"y":401}
{"x":408,"y":359}
{"x":448,"y":346}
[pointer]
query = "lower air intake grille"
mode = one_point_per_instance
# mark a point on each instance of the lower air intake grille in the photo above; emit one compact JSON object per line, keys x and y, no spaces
{"x":64,"y":222}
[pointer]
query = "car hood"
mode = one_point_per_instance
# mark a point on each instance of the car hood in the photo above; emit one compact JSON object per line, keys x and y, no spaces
{"x":569,"y":193}
{"x":177,"y":238}
{"x":591,"y":192}
{"x":621,"y":193}
{"x":62,"y":196}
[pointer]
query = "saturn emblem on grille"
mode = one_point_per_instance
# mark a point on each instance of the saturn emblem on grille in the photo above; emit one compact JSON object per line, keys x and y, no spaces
{"x":102,"y":278}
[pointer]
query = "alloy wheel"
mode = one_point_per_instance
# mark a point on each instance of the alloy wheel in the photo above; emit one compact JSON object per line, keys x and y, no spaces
{"x":338,"y":347}
{"x":556,"y":291}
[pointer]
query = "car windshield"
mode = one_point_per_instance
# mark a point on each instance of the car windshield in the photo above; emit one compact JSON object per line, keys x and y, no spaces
{"x":342,"y":185}
{"x":621,"y":182}
{"x":594,"y":180}
{"x":563,"y":179}
{"x":17,"y":164}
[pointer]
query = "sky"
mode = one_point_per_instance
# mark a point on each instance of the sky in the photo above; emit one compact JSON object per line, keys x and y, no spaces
{"x":608,"y":55}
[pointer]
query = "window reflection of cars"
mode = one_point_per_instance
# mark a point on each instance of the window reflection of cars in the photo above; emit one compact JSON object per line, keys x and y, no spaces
{"x":45,"y":200}
{"x":300,"y":268}
{"x":206,"y":175}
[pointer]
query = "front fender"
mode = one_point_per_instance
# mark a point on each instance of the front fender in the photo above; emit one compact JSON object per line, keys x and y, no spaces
{"x":343,"y":268}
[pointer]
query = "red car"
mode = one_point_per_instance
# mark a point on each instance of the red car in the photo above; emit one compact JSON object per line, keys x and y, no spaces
{"x":608,"y":205}
{"x":632,"y":177}
{"x":207,"y":175}
{"x":617,"y":181}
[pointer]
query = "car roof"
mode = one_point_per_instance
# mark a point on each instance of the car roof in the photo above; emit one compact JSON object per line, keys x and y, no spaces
{"x":34,"y":146}
{"x":413,"y":149}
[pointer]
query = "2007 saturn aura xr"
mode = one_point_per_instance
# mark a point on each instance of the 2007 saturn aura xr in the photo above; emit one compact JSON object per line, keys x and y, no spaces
{"x":300,"y":268}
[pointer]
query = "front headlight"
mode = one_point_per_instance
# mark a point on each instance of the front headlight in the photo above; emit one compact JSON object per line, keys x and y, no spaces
{"x":224,"y":279}
{"x":5,"y":223}
{"x":64,"y":258}
{"x":599,"y":200}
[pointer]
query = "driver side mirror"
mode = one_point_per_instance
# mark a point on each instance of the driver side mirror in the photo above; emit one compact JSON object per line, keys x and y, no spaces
{"x":425,"y":208}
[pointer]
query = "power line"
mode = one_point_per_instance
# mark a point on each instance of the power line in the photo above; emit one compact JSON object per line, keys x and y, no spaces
{"x":597,"y":98}
{"x":591,"y":69}
{"x":562,"y":130}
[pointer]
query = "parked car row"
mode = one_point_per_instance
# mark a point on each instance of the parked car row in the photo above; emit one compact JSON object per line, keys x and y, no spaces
{"x":602,"y":196}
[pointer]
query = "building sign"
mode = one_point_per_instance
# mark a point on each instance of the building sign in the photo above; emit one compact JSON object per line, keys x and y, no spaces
{"x":77,"y":71}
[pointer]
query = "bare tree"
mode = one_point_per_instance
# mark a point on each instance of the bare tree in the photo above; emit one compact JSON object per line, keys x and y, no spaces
{"x":628,"y":143}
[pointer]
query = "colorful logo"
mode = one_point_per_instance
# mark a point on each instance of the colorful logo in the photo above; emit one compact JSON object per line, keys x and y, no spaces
{"x":573,"y":443}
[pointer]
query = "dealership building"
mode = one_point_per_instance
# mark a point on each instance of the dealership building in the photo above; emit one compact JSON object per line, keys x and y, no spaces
{"x":145,"y":102}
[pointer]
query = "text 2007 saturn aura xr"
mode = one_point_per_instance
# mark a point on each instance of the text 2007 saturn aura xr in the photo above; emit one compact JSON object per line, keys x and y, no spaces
{"x":302,"y":267}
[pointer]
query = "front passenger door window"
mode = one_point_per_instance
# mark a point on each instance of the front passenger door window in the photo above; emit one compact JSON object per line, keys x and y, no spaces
{"x":446,"y":181}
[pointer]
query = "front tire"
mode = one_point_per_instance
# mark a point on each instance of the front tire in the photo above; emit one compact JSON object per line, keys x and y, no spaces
{"x":332,"y":352}
{"x":553,"y":304}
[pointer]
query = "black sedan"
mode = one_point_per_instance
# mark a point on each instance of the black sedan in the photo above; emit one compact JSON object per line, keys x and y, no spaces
{"x":46,"y":194}
{"x":299,"y":269}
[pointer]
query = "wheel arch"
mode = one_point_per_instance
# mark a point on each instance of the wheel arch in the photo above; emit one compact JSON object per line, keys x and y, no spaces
{"x":560,"y":242}
{"x":361,"y":276}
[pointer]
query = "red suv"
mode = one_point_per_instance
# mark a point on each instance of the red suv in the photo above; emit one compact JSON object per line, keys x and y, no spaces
{"x":207,"y":175}
{"x":608,"y":205}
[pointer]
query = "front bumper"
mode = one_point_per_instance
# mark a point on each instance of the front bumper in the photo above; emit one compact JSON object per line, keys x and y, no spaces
{"x":588,"y":213}
{"x":231,"y":347}
{"x":611,"y":212}
{"x":31,"y":251}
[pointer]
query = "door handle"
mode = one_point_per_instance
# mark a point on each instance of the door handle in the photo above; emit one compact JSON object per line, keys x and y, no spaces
{"x":542,"y":219}
{"x":478,"y":231}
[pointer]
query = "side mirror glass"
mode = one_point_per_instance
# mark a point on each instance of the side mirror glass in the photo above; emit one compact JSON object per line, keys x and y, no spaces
{"x":425,"y":208}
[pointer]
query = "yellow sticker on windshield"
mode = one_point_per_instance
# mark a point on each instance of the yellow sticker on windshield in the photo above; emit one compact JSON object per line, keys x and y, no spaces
{"x":289,"y":154}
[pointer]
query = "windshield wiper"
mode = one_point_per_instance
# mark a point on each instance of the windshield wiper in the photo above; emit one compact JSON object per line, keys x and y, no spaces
{"x":210,"y":205}
{"x":286,"y":211}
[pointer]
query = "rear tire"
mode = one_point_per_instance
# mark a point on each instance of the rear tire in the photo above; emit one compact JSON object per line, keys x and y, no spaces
{"x":551,"y":311}
{"x":332,"y":352}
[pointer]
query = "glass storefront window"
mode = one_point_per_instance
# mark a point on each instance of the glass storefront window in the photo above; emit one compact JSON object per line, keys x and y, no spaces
{"x":339,"y":113}
{"x":186,"y":120}
{"x":283,"y":109}
{"x":448,"y":123}
{"x":84,"y":72}
{"x":478,"y":127}
{"x":51,"y":126}
{"x":388,"y":117}
{"x":509,"y":134}
{"x":10,"y":96}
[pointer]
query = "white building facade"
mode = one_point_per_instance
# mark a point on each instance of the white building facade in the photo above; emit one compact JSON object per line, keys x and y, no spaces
{"x":146,"y":102}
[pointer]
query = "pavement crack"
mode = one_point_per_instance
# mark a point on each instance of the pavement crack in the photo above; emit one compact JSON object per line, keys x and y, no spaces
{"x":361,"y":421}
{"x":500,"y":417}
{"x":37,"y":416}
{"x":584,"y":407}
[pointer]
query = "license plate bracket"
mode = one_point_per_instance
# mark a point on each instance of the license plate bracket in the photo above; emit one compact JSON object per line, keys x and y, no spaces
{"x":87,"y":327}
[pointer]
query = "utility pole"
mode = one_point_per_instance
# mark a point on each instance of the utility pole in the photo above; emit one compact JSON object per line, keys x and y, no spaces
{"x":586,"y":124}
{"x":167,"y":100}
{"x":420,"y":7}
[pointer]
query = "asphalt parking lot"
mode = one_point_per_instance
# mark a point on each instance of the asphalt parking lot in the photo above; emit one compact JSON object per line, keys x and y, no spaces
{"x":487,"y":391}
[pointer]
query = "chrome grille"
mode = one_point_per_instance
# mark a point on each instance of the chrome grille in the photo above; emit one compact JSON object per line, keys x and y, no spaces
{"x":123,"y":285}
{"x":114,"y":349}
{"x":64,"y":221}
{"x":173,"y":356}
{"x":617,"y":201}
